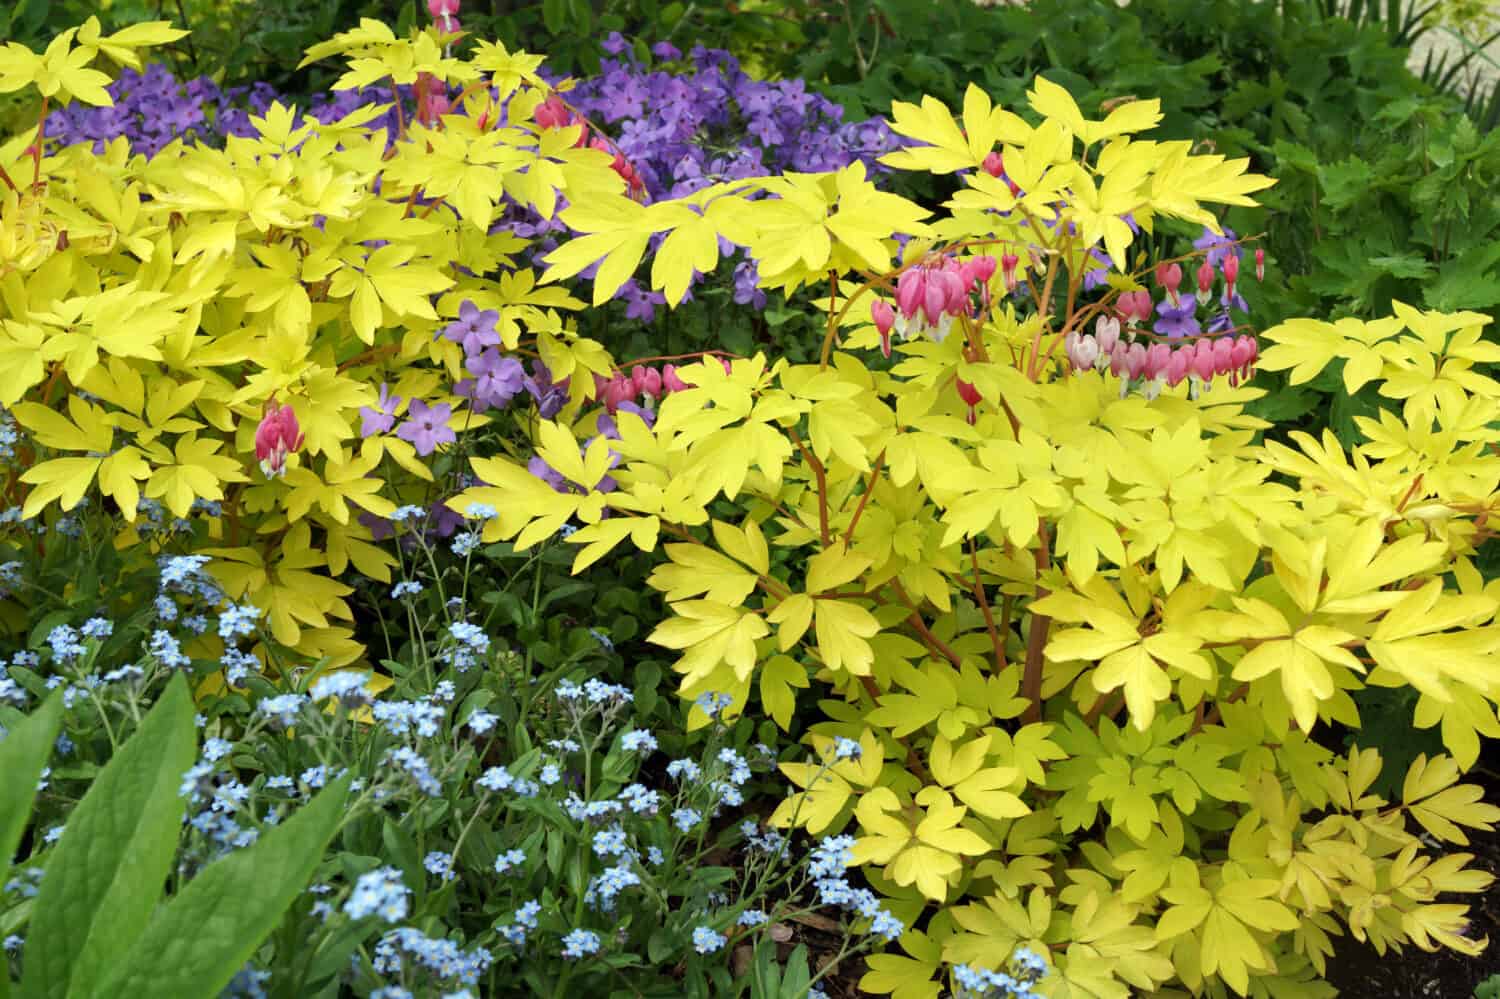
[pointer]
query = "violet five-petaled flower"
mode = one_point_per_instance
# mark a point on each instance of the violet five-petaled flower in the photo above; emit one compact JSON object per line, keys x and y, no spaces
{"x":380,"y":419}
{"x":427,"y":426}
{"x":474,"y":329}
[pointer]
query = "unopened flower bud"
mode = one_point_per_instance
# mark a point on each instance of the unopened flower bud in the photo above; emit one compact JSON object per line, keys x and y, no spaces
{"x":1169,"y":277}
{"x":970,"y":395}
{"x":1008,"y":264}
{"x":1205,"y":282}
{"x":994,"y":164}
{"x":885,"y":318}
{"x":1231,"y":274}
{"x":1260,"y":265}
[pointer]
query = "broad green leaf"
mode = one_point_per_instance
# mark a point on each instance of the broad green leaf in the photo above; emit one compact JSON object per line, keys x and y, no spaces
{"x":23,"y":754}
{"x":197,"y":942}
{"x":112,"y":862}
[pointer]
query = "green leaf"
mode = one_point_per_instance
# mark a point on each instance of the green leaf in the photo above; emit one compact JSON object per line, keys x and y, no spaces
{"x":23,"y":754}
{"x":111,"y":865}
{"x":200,"y":939}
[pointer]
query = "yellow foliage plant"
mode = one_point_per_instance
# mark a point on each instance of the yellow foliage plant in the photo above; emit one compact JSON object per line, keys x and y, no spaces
{"x":1085,"y":638}
{"x":152,"y":310}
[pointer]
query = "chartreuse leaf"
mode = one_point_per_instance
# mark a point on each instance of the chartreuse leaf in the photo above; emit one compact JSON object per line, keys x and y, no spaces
{"x":196,"y":943}
{"x":23,"y":754}
{"x":111,"y":865}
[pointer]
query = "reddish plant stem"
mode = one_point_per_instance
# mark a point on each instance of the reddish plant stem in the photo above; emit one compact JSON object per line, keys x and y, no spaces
{"x":865,"y":498}
{"x":821,"y":476}
{"x":934,"y":643}
{"x":984,"y":604}
{"x":1036,"y":636}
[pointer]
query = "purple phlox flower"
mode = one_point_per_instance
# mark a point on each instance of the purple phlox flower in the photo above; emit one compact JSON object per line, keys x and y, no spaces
{"x":746,"y":290}
{"x":443,"y":520}
{"x":474,"y":330}
{"x":380,"y":419}
{"x":1218,"y":247}
{"x":640,"y":303}
{"x":615,"y":43}
{"x":497,"y":380}
{"x":1178,"y":322}
{"x":550,"y":396}
{"x":1237,"y":302}
{"x":611,"y":431}
{"x":1097,"y":276}
{"x":427,"y":426}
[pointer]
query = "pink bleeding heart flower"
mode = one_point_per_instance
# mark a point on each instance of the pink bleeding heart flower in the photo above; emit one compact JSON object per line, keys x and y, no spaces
{"x":1223,"y":355}
{"x":1107,"y":330}
{"x":1203,"y":360}
{"x":1158,"y":359}
{"x":911,"y":291}
{"x":277,"y":436}
{"x":979,"y":270}
{"x":670,"y":382}
{"x":620,"y":389}
{"x":1117,"y":359}
{"x":1082,"y":349}
{"x":1135,"y":306}
{"x":885,"y":318}
{"x":647,"y":382}
{"x":442,"y":8}
{"x":994,"y":164}
{"x":1135,"y":360}
{"x":1177,"y":367}
{"x":1260,"y":265}
{"x":1231,"y":274}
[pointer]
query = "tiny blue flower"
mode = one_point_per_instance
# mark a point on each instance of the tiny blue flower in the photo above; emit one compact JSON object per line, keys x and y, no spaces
{"x":706,"y":941}
{"x":686,"y":819}
{"x":580,"y":943}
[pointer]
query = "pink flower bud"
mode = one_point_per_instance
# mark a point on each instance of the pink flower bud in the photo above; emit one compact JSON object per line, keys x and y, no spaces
{"x":1008,"y":263}
{"x":728,"y":365}
{"x":1231,"y":273}
{"x":1107,"y":329}
{"x":911,"y":291}
{"x":1169,"y":276}
{"x":970,"y":395}
{"x":669,"y":380}
{"x":1177,"y":367}
{"x":885,"y":318}
{"x":1158,"y":359}
{"x":1205,"y":282}
{"x":994,"y":164}
{"x":1260,"y":265}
